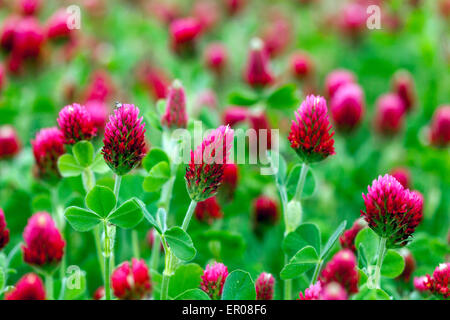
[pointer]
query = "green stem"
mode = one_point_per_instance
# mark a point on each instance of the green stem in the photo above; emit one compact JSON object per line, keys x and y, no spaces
{"x":287,"y":283}
{"x":380,"y":254}
{"x":167,"y":273}
{"x":49,"y":286}
{"x":117,"y":182}
{"x":301,"y":182}
{"x":316,"y":272}
{"x":189,"y":214}
{"x":107,"y":260}
{"x":154,"y":259}
{"x":88,"y":179}
{"x":98,"y":246}
{"x":135,"y":243}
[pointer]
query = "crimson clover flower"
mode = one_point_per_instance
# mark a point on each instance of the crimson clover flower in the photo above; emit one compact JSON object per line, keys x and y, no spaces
{"x":9,"y":142}
{"x":440,"y":127}
{"x":29,"y":287}
{"x":213,"y":279}
{"x":347,"y":239}
{"x":265,"y":210}
{"x":4,"y":233}
{"x":342,"y":269}
{"x":265,"y":285}
{"x":208,"y":210}
{"x":76,"y":124}
{"x":347,"y":107}
{"x":403,"y":85}
{"x":131,"y":283}
{"x":257,"y":73}
{"x":48,"y":146}
{"x":175,"y":115}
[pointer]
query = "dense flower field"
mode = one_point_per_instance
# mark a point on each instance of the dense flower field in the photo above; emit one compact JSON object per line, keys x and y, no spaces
{"x":224,"y":149}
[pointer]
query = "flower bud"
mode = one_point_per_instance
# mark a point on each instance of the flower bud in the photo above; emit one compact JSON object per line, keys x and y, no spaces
{"x":29,"y":287}
{"x":131,"y":283}
{"x":336,"y":79}
{"x":4,"y":232}
{"x":57,"y":26}
{"x":184,"y":34}
{"x":294,"y":213}
{"x":216,"y":57}
{"x":100,"y":87}
{"x":28,"y":38}
{"x":230,"y":180}
{"x":301,"y":66}
{"x":76,"y":124}
{"x":410,"y":265}
{"x":29,"y":7}
{"x":99,"y":293}
{"x":440,"y":127}
{"x":213,"y":279}
{"x":257,"y":73}
{"x":234,"y":6}
{"x":8,"y":32}
{"x":9,"y":142}
{"x":352,"y":19}
{"x":389,"y":114}
{"x":265,"y":286}
{"x":175,"y":115}
{"x":347,"y":107}
{"x":277,"y":33}
{"x":208,"y":210}
{"x":403,"y":85}
{"x":265,"y":210}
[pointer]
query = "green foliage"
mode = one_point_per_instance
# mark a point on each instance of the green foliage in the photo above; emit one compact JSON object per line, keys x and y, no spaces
{"x":239,"y":286}
{"x":180,"y":243}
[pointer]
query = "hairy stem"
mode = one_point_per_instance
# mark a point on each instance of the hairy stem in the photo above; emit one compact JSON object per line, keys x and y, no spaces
{"x":316,"y":272}
{"x":49,"y":285}
{"x":168,"y":272}
{"x":301,"y":182}
{"x":380,"y":254}
{"x":189,"y":213}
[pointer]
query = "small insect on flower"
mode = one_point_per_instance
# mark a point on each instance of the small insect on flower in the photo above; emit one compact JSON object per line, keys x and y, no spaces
{"x":4,"y":232}
{"x":29,"y":287}
{"x":48,"y":146}
{"x":342,"y":269}
{"x":124,"y":142}
{"x":265,"y":285}
{"x":204,"y":173}
{"x":347,"y":239}
{"x":44,"y":245}
{"x":9,"y":142}
{"x":347,"y":107}
{"x":257,"y":72}
{"x":311,"y":134}
{"x":392,"y":211}
{"x":440,"y":127}
{"x":208,"y":210}
{"x":131,"y":282}
{"x":213,"y":279}
{"x":175,"y":115}
{"x":76,"y":124}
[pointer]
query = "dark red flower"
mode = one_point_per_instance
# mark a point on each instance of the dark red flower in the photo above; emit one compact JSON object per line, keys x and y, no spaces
{"x":438,"y":283}
{"x":124,"y":142}
{"x":311,"y":134}
{"x":265,"y":210}
{"x":389,"y":114}
{"x":76,"y":124}
{"x":336,"y":79}
{"x":230,"y":179}
{"x":347,"y":239}
{"x":265,"y":285}
{"x":4,"y":232}
{"x":440,"y":127}
{"x":131,"y":282}
{"x":403,"y":176}
{"x":8,"y":32}
{"x":57,"y":26}
{"x":216,"y":57}
{"x":9,"y":142}
{"x":44,"y":244}
{"x":301,"y":65}
{"x":99,"y":293}
{"x":342,"y":268}
{"x":347,"y":107}
{"x":403,"y":85}
{"x":257,"y":72}
{"x":184,"y":33}
{"x":392,"y":211}
{"x":234,"y":115}
{"x":208,"y":210}
{"x":175,"y":115}
{"x":29,"y":287}
{"x":48,"y":146}
{"x":205,"y":171}
{"x":213,"y":279}
{"x":28,"y":38}
{"x":410,"y":265}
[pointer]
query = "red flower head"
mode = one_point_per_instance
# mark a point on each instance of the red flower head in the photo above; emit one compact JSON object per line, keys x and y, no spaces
{"x":257,"y":73}
{"x":389,"y":114}
{"x":47,"y":148}
{"x":28,"y":38}
{"x":155,"y":80}
{"x":4,"y":233}
{"x":277,"y":34}
{"x":100,"y":87}
{"x":440,"y":127}
{"x":301,"y":65}
{"x":9,"y":142}
{"x":310,"y":134}
{"x":175,"y":115}
{"x":234,"y":115}
{"x":216,"y":57}
{"x":99,"y":111}
{"x":265,"y":210}
{"x":57,"y":26}
{"x":205,"y":171}
{"x":213,"y":279}
{"x":336,"y":79}
{"x":29,"y":287}
{"x":208,"y":210}
{"x":8,"y":32}
{"x":131,"y":282}
{"x":353,"y":19}
{"x":392,"y":211}
{"x":441,"y":280}
{"x":403,"y":85}
{"x":259,"y":122}
{"x":347,"y":239}
{"x":403,"y":176}
{"x":342,"y":269}
{"x":313,"y":292}
{"x":265,"y":286}
{"x":333,"y":291}
{"x":124,"y":142}
{"x":184,"y":33}
{"x":76,"y":124}
{"x":230,"y":179}
{"x":234,"y":6}
{"x":44,"y":244}
{"x":347,"y":107}
{"x":422,"y":283}
{"x":29,"y":7}
{"x":99,"y":293}
{"x":410,"y":265}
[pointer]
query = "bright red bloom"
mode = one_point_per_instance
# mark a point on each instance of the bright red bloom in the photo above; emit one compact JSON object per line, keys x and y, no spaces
{"x":99,"y":293}
{"x":421,"y":283}
{"x":389,"y":114}
{"x":403,"y":176}
{"x":403,"y":85}
{"x":234,"y":115}
{"x":76,"y":124}
{"x":392,"y":211}
{"x":131,"y":282}
{"x":216,"y":57}
{"x":347,"y":107}
{"x":100,"y":87}
{"x":124,"y":142}
{"x":4,"y":233}
{"x":265,"y":285}
{"x":57,"y":26}
{"x":9,"y":142}
{"x":342,"y":268}
{"x":333,"y":291}
{"x":208,"y":210}
{"x":301,"y":65}
{"x":352,"y":19}
{"x":184,"y":33}
{"x":44,"y":244}
{"x":213,"y":279}
{"x":440,"y":127}
{"x":257,"y":72}
{"x":438,"y":283}
{"x":28,"y":38}
{"x":29,"y":287}
{"x":29,"y":7}
{"x":347,"y":239}
{"x":47,"y":148}
{"x":205,"y":171}
{"x":336,"y":79}
{"x":310,"y":134}
{"x":99,"y":111}
{"x":175,"y":115}
{"x":265,"y":210}
{"x":313,"y":292}
{"x":410,"y":265}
